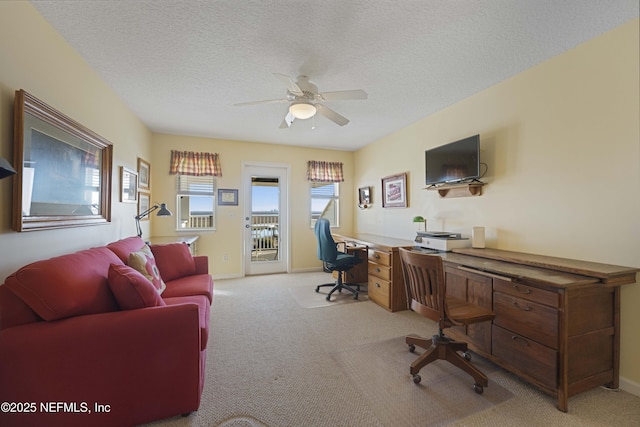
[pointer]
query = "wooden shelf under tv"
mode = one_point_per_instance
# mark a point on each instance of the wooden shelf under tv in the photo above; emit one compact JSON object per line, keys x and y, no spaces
{"x":458,"y":190}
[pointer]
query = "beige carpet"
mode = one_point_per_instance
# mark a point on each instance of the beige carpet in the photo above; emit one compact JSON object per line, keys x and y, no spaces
{"x":307,"y":297}
{"x":272,"y":363}
{"x":380,"y":371}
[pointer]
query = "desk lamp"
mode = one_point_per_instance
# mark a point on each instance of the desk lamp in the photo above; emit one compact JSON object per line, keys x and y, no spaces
{"x":162,"y":212}
{"x":5,"y":168}
{"x":421,"y":219}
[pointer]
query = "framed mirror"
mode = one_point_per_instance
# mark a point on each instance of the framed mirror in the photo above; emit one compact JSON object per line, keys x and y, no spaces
{"x":64,"y":169}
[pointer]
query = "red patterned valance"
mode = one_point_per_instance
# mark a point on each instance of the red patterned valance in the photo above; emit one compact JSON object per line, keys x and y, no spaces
{"x":324,"y":171}
{"x":195,"y":164}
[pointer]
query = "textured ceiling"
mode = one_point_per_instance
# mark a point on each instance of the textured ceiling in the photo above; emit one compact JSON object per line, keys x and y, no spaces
{"x":180,"y":65}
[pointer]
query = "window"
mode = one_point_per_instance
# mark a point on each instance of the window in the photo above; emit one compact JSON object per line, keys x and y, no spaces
{"x":324,"y":202}
{"x":195,"y":202}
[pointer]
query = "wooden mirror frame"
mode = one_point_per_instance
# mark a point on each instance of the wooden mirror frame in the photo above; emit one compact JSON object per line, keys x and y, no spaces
{"x":68,"y":206}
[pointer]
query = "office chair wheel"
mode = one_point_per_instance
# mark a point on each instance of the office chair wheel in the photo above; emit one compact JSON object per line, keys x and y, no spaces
{"x":328,"y":297}
{"x":477,"y":388}
{"x":467,"y":356}
{"x":417,"y":378}
{"x":355,"y":295}
{"x":318,"y":289}
{"x":412,"y":348}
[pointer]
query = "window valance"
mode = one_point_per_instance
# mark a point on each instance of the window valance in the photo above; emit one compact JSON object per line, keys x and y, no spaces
{"x":195,"y":164}
{"x":324,"y":171}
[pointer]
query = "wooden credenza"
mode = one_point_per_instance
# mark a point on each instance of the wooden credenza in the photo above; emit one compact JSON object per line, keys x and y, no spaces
{"x":557,"y":321}
{"x":384,"y":272}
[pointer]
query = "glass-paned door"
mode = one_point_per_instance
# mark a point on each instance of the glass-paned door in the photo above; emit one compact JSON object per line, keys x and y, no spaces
{"x":265,"y":219}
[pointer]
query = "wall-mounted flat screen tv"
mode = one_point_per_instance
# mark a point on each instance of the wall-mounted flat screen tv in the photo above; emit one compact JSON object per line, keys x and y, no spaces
{"x":454,"y":162}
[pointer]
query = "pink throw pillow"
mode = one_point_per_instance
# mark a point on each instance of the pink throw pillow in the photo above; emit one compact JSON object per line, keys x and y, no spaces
{"x":144,"y":262}
{"x":131,"y":289}
{"x":174,"y":260}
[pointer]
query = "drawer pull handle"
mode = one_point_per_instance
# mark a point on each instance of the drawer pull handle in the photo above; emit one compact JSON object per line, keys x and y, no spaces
{"x":377,"y":285}
{"x":519,"y":307}
{"x":377,"y":256}
{"x":522,"y":291}
{"x":522,"y":340}
{"x":377,"y":270}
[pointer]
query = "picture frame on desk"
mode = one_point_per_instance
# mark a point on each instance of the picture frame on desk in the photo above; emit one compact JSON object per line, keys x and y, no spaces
{"x":394,"y":191}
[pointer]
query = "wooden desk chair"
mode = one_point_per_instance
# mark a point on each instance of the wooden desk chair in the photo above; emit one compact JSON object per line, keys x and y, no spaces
{"x":333,"y":260}
{"x":424,"y":281}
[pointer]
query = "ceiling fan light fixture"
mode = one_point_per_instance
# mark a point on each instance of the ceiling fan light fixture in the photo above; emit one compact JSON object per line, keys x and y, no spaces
{"x":302,"y":110}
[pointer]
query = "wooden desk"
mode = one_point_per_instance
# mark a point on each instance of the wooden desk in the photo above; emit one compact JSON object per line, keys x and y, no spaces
{"x":385,"y":281}
{"x":557,"y":321}
{"x":190,"y":241}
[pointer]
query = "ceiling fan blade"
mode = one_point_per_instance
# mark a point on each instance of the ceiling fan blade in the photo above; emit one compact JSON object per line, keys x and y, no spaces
{"x":344,"y":95}
{"x":332,"y":115}
{"x":291,"y":85}
{"x":287,"y":121}
{"x":268,"y":101}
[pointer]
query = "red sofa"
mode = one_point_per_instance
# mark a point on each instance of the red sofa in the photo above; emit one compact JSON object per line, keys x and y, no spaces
{"x":84,"y":341}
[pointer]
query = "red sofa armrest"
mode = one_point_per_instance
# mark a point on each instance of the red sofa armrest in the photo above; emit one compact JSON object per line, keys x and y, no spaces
{"x":202,"y":264}
{"x":141,"y":364}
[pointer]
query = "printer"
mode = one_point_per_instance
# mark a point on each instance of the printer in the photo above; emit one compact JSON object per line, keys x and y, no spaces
{"x":441,"y":240}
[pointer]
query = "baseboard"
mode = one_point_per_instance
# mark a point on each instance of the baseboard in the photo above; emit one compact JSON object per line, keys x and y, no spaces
{"x":238,"y":275}
{"x":226,"y":276}
{"x":306,"y":270}
{"x":630,"y":386}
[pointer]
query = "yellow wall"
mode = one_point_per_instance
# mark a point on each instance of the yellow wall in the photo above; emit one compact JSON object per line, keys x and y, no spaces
{"x":227,"y":239}
{"x":561,"y":140}
{"x":562,"y":145}
{"x":34,"y":57}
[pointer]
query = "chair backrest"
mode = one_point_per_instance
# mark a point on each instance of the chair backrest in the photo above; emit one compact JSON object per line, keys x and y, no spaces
{"x":424,"y":282}
{"x":327,"y":250}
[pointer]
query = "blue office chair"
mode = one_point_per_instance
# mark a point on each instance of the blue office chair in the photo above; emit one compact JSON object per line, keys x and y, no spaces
{"x":333,"y":260}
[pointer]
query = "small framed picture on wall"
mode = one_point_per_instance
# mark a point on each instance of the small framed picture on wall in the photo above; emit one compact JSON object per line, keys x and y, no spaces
{"x":144,"y":203}
{"x":394,"y":191}
{"x":128,"y":185}
{"x":144,"y":174}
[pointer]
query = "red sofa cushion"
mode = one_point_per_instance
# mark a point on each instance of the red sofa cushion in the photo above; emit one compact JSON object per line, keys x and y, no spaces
{"x":198,"y":284}
{"x":144,"y":262}
{"x":122,"y":248}
{"x":67,"y":285}
{"x":174,"y":260}
{"x":132,"y":289}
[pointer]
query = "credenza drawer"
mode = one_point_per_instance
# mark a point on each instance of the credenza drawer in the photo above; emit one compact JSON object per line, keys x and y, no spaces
{"x":536,"y":360}
{"x":380,"y":271}
{"x":527,"y":292}
{"x":530,"y":319}
{"x":379,"y":291}
{"x":379,"y":257}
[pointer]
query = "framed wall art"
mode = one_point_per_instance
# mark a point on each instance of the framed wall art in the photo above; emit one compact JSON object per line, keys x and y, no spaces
{"x":227,"y":197}
{"x":144,"y":174}
{"x":144,"y":203}
{"x":364,"y":197}
{"x":128,"y":185}
{"x":394,"y":191}
{"x":64,"y":169}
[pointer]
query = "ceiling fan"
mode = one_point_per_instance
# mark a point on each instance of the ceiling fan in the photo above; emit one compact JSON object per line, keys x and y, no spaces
{"x":305,"y":100}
